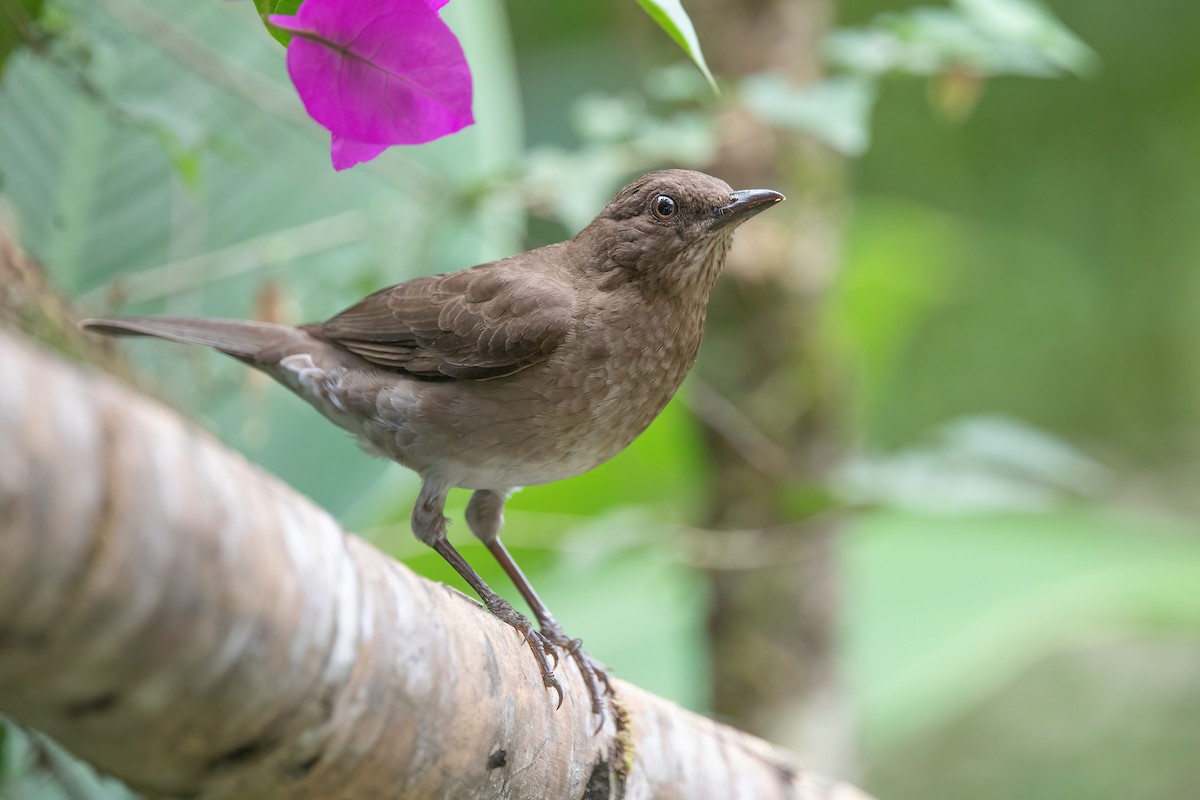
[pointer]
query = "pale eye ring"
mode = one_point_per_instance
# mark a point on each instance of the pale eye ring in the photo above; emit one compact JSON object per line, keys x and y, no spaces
{"x":664,"y":206}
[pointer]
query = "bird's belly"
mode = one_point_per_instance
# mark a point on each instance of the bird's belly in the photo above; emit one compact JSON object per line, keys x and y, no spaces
{"x":546,"y":456}
{"x":512,"y":474}
{"x":538,"y":427}
{"x":520,"y":449}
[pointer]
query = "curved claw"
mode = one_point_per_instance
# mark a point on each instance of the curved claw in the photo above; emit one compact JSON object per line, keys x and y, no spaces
{"x":539,"y":644}
{"x":543,"y":646}
{"x":548,"y":647}
{"x":551,"y":681}
{"x":595,"y":675}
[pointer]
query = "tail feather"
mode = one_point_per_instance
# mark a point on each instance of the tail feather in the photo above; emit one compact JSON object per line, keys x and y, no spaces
{"x":239,"y":338}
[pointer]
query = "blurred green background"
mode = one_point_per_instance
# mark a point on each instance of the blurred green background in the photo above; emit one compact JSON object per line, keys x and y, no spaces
{"x":977,"y":389}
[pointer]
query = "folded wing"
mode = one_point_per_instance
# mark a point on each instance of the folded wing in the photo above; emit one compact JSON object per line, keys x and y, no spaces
{"x":472,"y":325}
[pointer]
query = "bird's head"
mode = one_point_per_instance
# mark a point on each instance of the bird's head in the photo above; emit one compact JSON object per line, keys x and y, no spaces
{"x":670,"y":230}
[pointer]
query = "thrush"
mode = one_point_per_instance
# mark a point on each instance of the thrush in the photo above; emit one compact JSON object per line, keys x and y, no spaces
{"x":517,"y":372}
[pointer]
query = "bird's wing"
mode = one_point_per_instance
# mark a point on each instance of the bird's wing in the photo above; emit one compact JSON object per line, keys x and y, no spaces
{"x":476,"y":324}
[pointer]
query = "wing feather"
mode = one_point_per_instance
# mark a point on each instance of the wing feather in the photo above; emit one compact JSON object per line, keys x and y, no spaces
{"x":480,"y":323}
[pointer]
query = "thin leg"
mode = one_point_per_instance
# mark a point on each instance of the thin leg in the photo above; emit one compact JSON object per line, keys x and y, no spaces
{"x":485,"y":516}
{"x":429,"y":525}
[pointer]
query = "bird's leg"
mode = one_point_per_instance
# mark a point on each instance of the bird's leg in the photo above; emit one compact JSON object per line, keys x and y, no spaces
{"x":595,"y":674}
{"x":485,"y":516}
{"x":429,"y":525}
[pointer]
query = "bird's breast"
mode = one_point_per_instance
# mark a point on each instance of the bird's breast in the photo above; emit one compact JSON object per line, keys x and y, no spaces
{"x":585,"y":404}
{"x":634,"y":364}
{"x":644,"y":372}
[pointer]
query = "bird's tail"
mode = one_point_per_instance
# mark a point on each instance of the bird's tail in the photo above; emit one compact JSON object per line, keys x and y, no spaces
{"x":244,"y":339}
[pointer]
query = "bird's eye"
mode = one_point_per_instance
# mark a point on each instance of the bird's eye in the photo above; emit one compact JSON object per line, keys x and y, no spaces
{"x":665,"y":206}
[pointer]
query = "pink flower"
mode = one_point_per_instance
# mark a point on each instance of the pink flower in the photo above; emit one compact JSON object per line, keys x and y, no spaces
{"x":377,"y":73}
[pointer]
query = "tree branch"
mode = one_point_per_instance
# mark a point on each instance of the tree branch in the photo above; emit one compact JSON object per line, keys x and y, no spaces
{"x":195,"y":628}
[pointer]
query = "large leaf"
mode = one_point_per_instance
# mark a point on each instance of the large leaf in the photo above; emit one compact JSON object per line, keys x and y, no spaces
{"x":671,"y":17}
{"x":943,"y":610}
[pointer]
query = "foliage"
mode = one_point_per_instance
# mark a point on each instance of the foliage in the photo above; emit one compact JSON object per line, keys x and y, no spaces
{"x":671,"y":17}
{"x":835,"y":111}
{"x":18,"y":23}
{"x":1082,"y":563}
{"x":34,"y":767}
{"x":288,"y":8}
{"x":956,"y":46}
{"x":986,"y":37}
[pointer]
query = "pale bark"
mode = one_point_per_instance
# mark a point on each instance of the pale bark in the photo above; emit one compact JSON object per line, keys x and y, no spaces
{"x":195,"y":628}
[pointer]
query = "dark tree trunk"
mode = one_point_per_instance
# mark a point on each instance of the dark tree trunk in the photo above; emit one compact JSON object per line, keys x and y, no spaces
{"x":775,"y":400}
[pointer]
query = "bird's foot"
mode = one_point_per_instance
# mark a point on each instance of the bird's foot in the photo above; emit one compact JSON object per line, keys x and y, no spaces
{"x":543,"y":642}
{"x":541,"y":646}
{"x":594,"y":673}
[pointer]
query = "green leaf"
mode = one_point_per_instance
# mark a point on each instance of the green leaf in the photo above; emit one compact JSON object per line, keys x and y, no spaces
{"x":991,"y":37}
{"x":285,"y":7}
{"x":944,"y":610}
{"x":836,"y":110}
{"x":1030,"y":25}
{"x":671,"y":17}
{"x":18,"y":23}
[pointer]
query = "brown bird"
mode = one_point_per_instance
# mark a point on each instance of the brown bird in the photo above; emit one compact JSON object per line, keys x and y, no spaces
{"x":522,"y":371}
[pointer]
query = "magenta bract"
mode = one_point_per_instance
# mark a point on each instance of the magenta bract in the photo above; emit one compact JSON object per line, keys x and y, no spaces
{"x":345,"y":153}
{"x":377,"y":74}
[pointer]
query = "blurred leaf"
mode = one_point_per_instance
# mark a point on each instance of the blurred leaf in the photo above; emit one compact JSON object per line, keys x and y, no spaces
{"x":38,"y":769}
{"x":990,"y":37}
{"x":836,"y":110}
{"x":975,"y":464}
{"x":675,"y":83}
{"x":943,"y":610}
{"x":1030,"y":23}
{"x":286,"y":7}
{"x":1110,"y":719}
{"x":595,"y":172}
{"x":621,"y":137}
{"x":18,"y":22}
{"x":672,"y":18}
{"x":180,"y":134}
{"x":901,"y":262}
{"x":684,"y":138}
{"x":606,"y":117}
